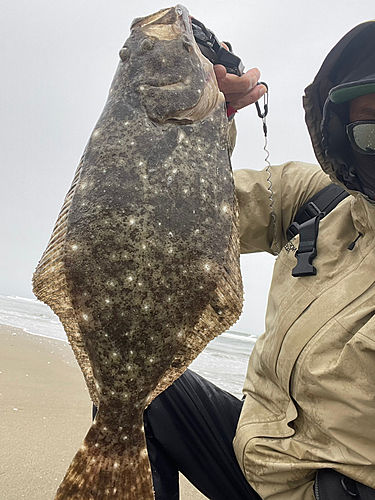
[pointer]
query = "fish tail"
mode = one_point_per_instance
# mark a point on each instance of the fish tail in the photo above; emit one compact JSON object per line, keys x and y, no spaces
{"x":111,"y":464}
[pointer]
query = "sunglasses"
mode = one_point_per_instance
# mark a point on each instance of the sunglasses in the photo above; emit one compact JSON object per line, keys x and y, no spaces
{"x":362,"y":136}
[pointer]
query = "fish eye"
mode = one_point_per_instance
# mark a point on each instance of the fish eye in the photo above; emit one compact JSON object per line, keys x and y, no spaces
{"x":147,"y":44}
{"x":124,"y":54}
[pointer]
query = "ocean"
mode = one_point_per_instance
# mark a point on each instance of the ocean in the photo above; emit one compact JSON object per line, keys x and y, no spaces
{"x":223,"y":362}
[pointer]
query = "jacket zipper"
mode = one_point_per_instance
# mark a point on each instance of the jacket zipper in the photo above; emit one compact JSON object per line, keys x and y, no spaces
{"x":316,"y":487}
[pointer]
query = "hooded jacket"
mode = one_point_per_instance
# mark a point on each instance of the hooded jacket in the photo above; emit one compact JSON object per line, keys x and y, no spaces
{"x":310,"y":385}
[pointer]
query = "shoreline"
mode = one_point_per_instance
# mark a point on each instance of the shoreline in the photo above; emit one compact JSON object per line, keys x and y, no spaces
{"x":46,"y":412}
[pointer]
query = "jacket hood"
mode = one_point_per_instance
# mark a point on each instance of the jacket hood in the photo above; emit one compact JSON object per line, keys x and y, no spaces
{"x":347,"y":72}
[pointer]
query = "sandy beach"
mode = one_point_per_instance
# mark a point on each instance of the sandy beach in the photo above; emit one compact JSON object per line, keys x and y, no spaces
{"x":45,"y":413}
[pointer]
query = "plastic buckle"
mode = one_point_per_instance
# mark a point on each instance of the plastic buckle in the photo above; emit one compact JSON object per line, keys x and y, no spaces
{"x":304,"y":265}
{"x":306,"y":253}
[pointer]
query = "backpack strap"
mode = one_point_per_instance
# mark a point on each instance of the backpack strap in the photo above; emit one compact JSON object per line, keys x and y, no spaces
{"x":306,"y":224}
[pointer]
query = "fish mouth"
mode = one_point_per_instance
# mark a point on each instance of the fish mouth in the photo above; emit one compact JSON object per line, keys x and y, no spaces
{"x":207,"y":101}
{"x":171,"y":24}
{"x":166,"y":24}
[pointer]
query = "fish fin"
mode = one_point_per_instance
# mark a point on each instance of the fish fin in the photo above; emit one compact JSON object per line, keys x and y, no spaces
{"x":109,"y":465}
{"x":50,"y":286}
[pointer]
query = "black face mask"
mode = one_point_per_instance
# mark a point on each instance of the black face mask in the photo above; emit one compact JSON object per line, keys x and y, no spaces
{"x":365,"y":172}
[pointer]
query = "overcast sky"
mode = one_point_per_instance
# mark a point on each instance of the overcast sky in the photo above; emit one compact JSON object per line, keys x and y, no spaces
{"x":57,"y":62}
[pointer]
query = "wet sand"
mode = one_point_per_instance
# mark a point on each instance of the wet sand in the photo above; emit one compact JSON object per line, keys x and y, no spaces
{"x":45,"y":412}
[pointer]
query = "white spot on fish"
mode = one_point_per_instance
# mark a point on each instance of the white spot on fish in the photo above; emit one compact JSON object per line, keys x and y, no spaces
{"x":131,"y":221}
{"x":74,"y":247}
{"x":207,"y":267}
{"x":181,"y":136}
{"x":85,"y":317}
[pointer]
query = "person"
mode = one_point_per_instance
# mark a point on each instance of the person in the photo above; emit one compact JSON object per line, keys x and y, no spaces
{"x":306,"y":426}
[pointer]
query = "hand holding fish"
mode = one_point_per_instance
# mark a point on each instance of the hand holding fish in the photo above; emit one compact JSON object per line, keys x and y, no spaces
{"x":239,"y":91}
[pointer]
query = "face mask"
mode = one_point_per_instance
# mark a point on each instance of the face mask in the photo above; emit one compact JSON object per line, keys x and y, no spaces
{"x":362,"y":136}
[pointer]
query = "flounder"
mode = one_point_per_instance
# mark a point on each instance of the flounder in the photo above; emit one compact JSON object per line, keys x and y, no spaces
{"x":143,"y":264}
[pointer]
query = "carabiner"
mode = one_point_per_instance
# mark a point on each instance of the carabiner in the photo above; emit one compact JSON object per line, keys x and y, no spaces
{"x":265,"y":112}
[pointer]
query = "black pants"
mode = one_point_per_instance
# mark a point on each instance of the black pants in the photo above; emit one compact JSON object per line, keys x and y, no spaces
{"x":190,"y":428}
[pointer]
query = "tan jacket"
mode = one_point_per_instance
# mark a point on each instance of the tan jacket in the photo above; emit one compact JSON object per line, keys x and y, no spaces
{"x":310,"y":386}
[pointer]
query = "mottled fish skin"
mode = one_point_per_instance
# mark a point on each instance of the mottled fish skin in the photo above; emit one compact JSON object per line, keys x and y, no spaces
{"x":143,"y":264}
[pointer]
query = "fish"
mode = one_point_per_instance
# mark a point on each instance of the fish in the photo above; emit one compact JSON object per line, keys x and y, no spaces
{"x":142,"y":266}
